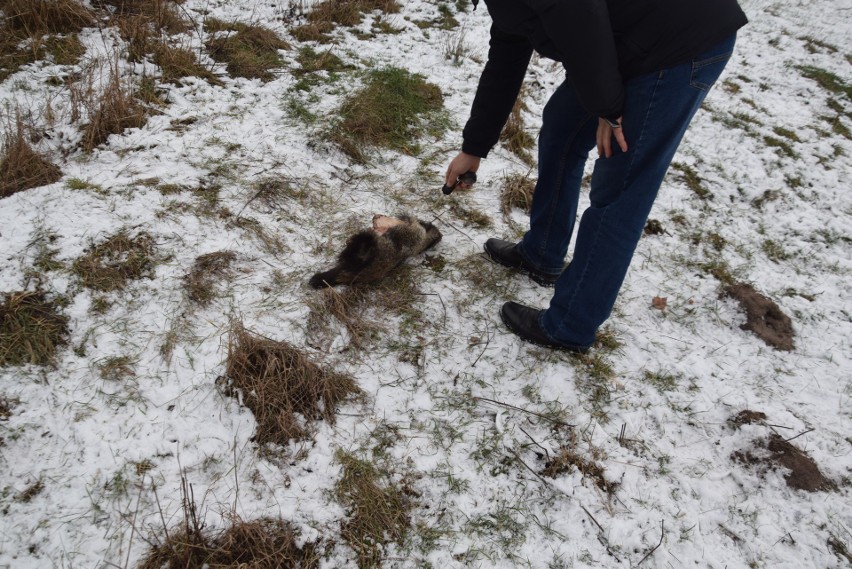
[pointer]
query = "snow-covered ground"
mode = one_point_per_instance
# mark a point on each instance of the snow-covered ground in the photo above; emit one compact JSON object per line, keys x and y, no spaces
{"x":472,"y":411}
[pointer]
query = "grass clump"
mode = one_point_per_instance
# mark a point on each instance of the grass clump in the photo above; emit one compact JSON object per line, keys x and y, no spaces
{"x":568,"y":459}
{"x":661,"y":380}
{"x":251,"y":51}
{"x":265,"y":543}
{"x":110,"y":265}
{"x":31,"y":329}
{"x":352,"y":307}
{"x":783,"y":146}
{"x":825,"y":79}
{"x":278,"y":382}
{"x":39,"y":17}
{"x":692,"y":180}
{"x":200,"y":282}
{"x":515,"y":137}
{"x":117,"y":108}
{"x":313,"y":61}
{"x":346,"y":307}
{"x":391,"y":110}
{"x":470,"y":215}
{"x":34,"y":29}
{"x":517,"y":192}
{"x":325,"y":16}
{"x":21,"y":167}
{"x":177,"y":63}
{"x":116,"y":368}
{"x":141,"y":22}
{"x":378,"y":510}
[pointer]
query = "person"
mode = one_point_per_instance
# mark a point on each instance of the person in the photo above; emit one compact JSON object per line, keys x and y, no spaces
{"x":636,"y":73}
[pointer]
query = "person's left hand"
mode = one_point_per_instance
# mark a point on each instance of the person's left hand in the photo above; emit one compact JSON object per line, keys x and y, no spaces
{"x":605,"y":135}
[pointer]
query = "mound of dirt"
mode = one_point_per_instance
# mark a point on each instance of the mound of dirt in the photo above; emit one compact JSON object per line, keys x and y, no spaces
{"x":763,"y":317}
{"x":803,"y":473}
{"x":747,"y":417}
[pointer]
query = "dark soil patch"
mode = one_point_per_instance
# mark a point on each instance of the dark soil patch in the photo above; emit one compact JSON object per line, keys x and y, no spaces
{"x":747,"y":417}
{"x":803,"y":472}
{"x":654,"y":227}
{"x":281,"y":386}
{"x":763,"y":317}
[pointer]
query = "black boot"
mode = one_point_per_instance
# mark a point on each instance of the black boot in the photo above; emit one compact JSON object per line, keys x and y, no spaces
{"x":506,"y":254}
{"x":523,"y":321}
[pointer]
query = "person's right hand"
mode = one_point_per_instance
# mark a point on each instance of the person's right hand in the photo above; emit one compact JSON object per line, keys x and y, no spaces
{"x":462,"y":163}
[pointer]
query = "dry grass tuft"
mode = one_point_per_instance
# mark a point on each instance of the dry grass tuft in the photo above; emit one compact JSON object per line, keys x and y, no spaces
{"x":517,"y":192}
{"x":391,"y":110}
{"x":313,"y":32}
{"x":348,"y":307}
{"x":515,"y":137}
{"x":200,"y":282}
{"x":21,"y":167}
{"x":312,"y":61}
{"x":277,"y":382}
{"x":250,"y":52}
{"x":178,"y":62}
{"x":354,"y":307}
{"x":568,"y":459}
{"x":378,"y":509}
{"x":26,"y":496}
{"x":163,"y":16}
{"x":39,"y":17}
{"x":470,"y":215}
{"x":110,"y":265}
{"x":31,"y":329}
{"x":36,"y":29}
{"x":348,"y":12}
{"x":116,"y":109}
{"x":265,"y":543}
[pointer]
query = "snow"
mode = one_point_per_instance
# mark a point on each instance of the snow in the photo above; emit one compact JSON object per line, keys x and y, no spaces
{"x":468,"y":458}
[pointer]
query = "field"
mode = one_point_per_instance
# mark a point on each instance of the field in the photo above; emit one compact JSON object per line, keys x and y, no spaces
{"x":173,"y":392}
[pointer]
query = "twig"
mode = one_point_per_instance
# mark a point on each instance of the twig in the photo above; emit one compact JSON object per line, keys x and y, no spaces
{"x":734,"y":537}
{"x":778,"y":426}
{"x":487,"y":342}
{"x":133,"y":523}
{"x":662,"y":534}
{"x":438,"y":217}
{"x":546,"y":453}
{"x":521,"y":409}
{"x":799,"y":435}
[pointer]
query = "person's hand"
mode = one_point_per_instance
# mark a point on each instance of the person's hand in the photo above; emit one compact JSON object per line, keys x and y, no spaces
{"x":605,"y":135}
{"x":462,"y":163}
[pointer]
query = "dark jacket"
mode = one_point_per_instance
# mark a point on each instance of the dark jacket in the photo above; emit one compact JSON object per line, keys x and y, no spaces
{"x":601,"y":44}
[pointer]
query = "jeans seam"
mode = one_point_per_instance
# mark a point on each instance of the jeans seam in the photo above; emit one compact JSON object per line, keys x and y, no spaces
{"x":570,"y":304}
{"x":561,"y":178}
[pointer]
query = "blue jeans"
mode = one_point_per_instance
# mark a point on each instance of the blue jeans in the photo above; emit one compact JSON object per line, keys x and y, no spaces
{"x":658,"y":109}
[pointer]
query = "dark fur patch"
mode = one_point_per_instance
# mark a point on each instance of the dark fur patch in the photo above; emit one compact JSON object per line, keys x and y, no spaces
{"x":369,"y":257}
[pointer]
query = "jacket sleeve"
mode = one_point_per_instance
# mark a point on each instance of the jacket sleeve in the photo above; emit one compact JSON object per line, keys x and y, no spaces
{"x":499,"y":85}
{"x":581,"y":31}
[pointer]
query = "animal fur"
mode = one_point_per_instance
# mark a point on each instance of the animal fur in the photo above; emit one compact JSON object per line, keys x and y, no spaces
{"x":371,"y":254}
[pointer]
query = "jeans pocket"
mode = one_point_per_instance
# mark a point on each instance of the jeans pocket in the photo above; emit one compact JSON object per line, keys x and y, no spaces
{"x":706,"y":70}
